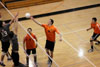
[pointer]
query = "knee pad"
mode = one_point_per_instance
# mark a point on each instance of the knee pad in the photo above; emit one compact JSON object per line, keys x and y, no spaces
{"x":3,"y":53}
{"x":34,"y":54}
{"x":91,"y":40}
{"x":95,"y":39}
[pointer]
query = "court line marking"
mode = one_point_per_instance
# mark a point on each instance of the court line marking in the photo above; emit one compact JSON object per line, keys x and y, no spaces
{"x":30,"y":59}
{"x":67,"y":32}
{"x":64,"y":23}
{"x":74,"y":47}
{"x":85,"y":41}
{"x":19,"y":23}
{"x":71,"y":46}
{"x":79,"y":37}
{"x":75,"y":64}
{"x":30,"y":35}
{"x":68,"y":43}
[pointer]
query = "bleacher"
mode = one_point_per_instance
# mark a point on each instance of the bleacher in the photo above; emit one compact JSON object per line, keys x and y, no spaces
{"x":0,"y":6}
{"x":12,"y":4}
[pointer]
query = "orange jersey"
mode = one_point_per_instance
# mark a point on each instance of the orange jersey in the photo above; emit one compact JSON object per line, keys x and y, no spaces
{"x":96,"y":28}
{"x":50,"y":32}
{"x":30,"y":44}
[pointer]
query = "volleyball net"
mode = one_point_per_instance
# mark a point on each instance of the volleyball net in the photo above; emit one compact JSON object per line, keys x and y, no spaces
{"x":42,"y":56}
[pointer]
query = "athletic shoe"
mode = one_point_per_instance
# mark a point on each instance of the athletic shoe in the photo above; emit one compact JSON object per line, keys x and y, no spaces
{"x":26,"y":65}
{"x":48,"y":61}
{"x":90,"y":50}
{"x":49,"y":65}
{"x":22,"y":65}
{"x":97,"y":43}
{"x":2,"y":64}
{"x":36,"y":65}
{"x":15,"y":66}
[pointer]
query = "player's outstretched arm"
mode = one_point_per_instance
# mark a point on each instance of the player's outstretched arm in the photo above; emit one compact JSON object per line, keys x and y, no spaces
{"x":16,"y":26}
{"x":89,"y":29}
{"x":14,"y":18}
{"x":36,"y":21}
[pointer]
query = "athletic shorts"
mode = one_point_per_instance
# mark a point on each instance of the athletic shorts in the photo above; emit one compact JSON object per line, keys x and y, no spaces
{"x":95,"y":36}
{"x":28,"y":51}
{"x":5,"y":46}
{"x":50,"y":45}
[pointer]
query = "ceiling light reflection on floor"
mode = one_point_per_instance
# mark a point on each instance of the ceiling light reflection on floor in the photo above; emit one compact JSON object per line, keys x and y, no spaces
{"x":81,"y":53}
{"x":31,"y":63}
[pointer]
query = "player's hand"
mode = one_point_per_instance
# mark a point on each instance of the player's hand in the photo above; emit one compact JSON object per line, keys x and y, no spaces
{"x":87,"y":29}
{"x":16,"y":15}
{"x":60,"y":39}
{"x":16,"y":19}
{"x":36,"y":45}
{"x":24,"y":51}
{"x":31,"y":17}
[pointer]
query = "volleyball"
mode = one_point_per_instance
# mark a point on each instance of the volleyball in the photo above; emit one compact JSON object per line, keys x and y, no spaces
{"x":27,"y":15}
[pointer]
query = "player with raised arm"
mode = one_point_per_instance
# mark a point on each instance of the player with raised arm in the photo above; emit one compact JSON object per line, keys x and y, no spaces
{"x":15,"y":45}
{"x":5,"y":41}
{"x":50,"y":31}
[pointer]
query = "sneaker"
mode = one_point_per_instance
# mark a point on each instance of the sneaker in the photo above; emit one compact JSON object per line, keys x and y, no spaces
{"x":49,"y":65}
{"x":48,"y":62}
{"x":22,"y":65}
{"x":26,"y":65}
{"x":97,"y":43}
{"x":36,"y":65}
{"x":90,"y":50}
{"x":15,"y":66}
{"x":2,"y":64}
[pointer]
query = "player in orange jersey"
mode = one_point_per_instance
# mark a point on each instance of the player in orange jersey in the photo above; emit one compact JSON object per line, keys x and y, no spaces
{"x":30,"y":46}
{"x":50,"y":31}
{"x":96,"y":27}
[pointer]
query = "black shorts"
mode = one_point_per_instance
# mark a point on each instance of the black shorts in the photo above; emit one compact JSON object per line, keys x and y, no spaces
{"x":5,"y":46}
{"x":50,"y":45}
{"x":28,"y":51}
{"x":95,"y":36}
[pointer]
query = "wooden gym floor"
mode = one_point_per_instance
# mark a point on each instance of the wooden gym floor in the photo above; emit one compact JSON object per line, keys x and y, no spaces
{"x":73,"y":50}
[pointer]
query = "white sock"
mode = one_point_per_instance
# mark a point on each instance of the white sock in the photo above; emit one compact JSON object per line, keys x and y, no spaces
{"x":9,"y":57}
{"x":1,"y":61}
